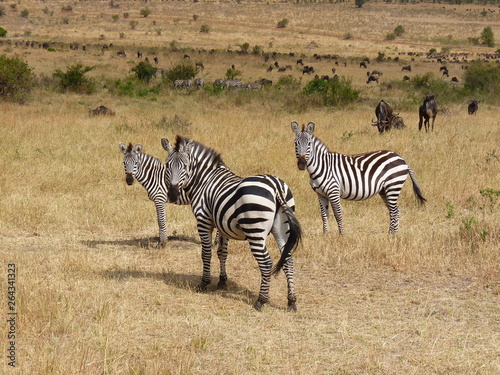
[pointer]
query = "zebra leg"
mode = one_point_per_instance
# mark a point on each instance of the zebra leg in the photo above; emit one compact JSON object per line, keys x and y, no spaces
{"x":323,"y":204}
{"x":206,"y":256}
{"x":337,"y":211}
{"x":265,"y":263}
{"x":222,"y":254}
{"x":394,"y":213}
{"x":292,"y":298}
{"x":162,"y":223}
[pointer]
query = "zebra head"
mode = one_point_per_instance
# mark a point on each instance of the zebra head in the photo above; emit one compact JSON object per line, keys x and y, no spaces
{"x":303,"y":141}
{"x":131,"y":161}
{"x":177,"y":167}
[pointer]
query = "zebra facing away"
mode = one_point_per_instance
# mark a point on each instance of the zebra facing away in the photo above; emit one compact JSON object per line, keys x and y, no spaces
{"x":239,"y":208}
{"x":353,"y":177}
{"x":150,"y":172}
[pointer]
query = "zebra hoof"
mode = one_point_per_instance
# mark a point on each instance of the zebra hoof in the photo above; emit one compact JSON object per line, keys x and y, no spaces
{"x":292,"y":307}
{"x":222,"y":284}
{"x":202,"y":287}
{"x":258,"y":305}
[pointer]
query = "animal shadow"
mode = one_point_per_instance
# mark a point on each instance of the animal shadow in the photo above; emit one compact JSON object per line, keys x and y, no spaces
{"x":139,"y":242}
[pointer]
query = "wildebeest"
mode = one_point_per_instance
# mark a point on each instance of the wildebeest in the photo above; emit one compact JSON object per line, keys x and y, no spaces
{"x":383,"y":112}
{"x":427,"y":110}
{"x":454,"y":79}
{"x":362,"y":64}
{"x":102,"y":111}
{"x":372,"y":79}
{"x":396,"y":122}
{"x":121,"y":53}
{"x":473,"y":107}
{"x":407,"y":67}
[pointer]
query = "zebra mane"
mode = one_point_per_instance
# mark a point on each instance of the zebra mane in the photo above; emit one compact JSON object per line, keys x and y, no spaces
{"x":129,"y":147}
{"x":318,"y":143}
{"x":213,"y":158}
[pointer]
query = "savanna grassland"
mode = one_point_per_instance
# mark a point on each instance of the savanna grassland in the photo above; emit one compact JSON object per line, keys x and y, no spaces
{"x":93,"y":294}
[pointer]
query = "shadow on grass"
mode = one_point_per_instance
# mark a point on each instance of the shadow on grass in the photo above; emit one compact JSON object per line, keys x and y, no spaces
{"x":139,"y":242}
{"x":188,"y":282}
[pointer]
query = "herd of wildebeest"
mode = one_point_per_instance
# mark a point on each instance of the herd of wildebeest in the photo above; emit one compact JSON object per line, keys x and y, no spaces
{"x":386,"y":118}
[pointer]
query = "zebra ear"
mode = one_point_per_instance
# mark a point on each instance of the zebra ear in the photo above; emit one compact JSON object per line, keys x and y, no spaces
{"x":138,"y":147}
{"x":310,"y":127}
{"x":167,"y":145}
{"x":295,"y":127}
{"x":123,"y":148}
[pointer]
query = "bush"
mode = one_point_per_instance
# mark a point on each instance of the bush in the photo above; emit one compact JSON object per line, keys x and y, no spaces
{"x":483,"y":78}
{"x":390,"y":36}
{"x":144,"y":71}
{"x":180,"y":71}
{"x":283,"y":23}
{"x":16,"y":79}
{"x":25,"y":13}
{"x":359,"y":3}
{"x":399,"y":30}
{"x":74,"y":79}
{"x":145,"y":12}
{"x":233,"y":73}
{"x":337,"y":92}
{"x":3,"y":32}
{"x":487,"y":37}
{"x":133,"y":87}
{"x":204,"y":29}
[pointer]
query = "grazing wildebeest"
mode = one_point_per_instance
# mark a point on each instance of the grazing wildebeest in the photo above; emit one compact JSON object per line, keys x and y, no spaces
{"x":383,"y":111}
{"x":200,"y":65}
{"x":102,"y":111}
{"x":427,"y":110}
{"x":407,"y":67}
{"x":265,"y":82}
{"x":121,"y":53}
{"x":473,"y":107}
{"x":372,"y":79}
{"x":406,"y":78}
{"x":362,"y":64}
{"x":307,"y":70}
{"x":454,"y":79}
{"x":139,"y":54}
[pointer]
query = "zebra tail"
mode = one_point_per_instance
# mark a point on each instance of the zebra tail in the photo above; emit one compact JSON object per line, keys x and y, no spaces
{"x":294,"y":239}
{"x":416,"y":189}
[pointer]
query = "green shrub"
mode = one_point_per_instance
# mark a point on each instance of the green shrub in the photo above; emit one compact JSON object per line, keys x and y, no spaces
{"x":16,"y":79}
{"x":233,"y":73}
{"x":483,"y":79}
{"x":3,"y":32}
{"x":390,"y":36}
{"x":2,"y":11}
{"x":487,"y":37}
{"x":133,"y":88}
{"x":144,"y":71}
{"x":145,"y":12}
{"x":244,"y":48}
{"x":283,"y":23}
{"x":399,"y":30}
{"x":25,"y":13}
{"x":337,"y":92}
{"x":133,"y":24}
{"x":359,"y":3}
{"x":74,"y":79}
{"x":180,"y":71}
{"x":204,"y":29}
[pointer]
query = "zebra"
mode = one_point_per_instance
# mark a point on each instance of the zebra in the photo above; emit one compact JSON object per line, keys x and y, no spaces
{"x":239,"y":208}
{"x":199,"y":82}
{"x":183,"y":83}
{"x":149,"y":171}
{"x":353,"y":177}
{"x":232,"y":83}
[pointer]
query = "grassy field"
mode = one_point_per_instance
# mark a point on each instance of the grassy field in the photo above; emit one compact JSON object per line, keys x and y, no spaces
{"x":94,"y":296}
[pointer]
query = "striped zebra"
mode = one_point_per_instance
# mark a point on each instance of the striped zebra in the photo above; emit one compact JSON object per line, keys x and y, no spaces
{"x":352,"y":177}
{"x":183,"y":84}
{"x":239,"y":208}
{"x":150,"y":172}
{"x":231,"y":84}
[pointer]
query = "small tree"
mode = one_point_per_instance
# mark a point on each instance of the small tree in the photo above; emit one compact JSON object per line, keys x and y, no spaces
{"x":133,"y":24}
{"x":180,"y":71}
{"x":144,"y":71}
{"x":282,"y":24}
{"x":233,"y":73}
{"x":25,"y":13}
{"x":244,"y":48}
{"x":399,"y":30}
{"x":3,"y":32}
{"x":204,"y":29}
{"x":145,"y":12}
{"x":74,"y":79}
{"x":487,"y":37}
{"x":16,"y":79}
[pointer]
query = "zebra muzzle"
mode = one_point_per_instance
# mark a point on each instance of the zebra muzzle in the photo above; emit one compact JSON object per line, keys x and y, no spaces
{"x":173,"y":194}
{"x":301,"y":162}
{"x":129,"y":178}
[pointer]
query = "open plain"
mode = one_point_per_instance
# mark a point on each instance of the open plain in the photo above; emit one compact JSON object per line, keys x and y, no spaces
{"x":93,"y":295}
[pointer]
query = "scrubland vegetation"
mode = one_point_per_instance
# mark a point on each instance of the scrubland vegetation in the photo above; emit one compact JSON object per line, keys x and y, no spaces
{"x":93,"y":294}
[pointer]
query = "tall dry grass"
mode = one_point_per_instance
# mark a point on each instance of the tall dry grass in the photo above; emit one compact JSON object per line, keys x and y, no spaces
{"x":95,"y":297}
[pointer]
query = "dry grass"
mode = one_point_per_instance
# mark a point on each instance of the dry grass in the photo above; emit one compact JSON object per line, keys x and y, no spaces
{"x":93,"y":295}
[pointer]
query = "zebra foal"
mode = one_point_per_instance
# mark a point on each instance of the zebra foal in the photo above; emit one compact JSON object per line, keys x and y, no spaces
{"x":150,"y":172}
{"x":239,"y":208}
{"x":353,"y":177}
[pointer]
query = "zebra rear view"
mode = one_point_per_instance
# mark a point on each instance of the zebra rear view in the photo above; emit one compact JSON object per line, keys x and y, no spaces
{"x":240,"y":208}
{"x":353,"y":177}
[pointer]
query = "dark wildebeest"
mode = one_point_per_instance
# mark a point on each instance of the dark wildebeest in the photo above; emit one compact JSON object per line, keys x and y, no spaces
{"x":407,"y":67}
{"x":396,"y":122}
{"x":372,"y":79}
{"x":427,"y":111}
{"x":473,"y":107}
{"x":102,"y":111}
{"x":121,"y":53}
{"x":362,"y":64}
{"x":384,"y":115}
